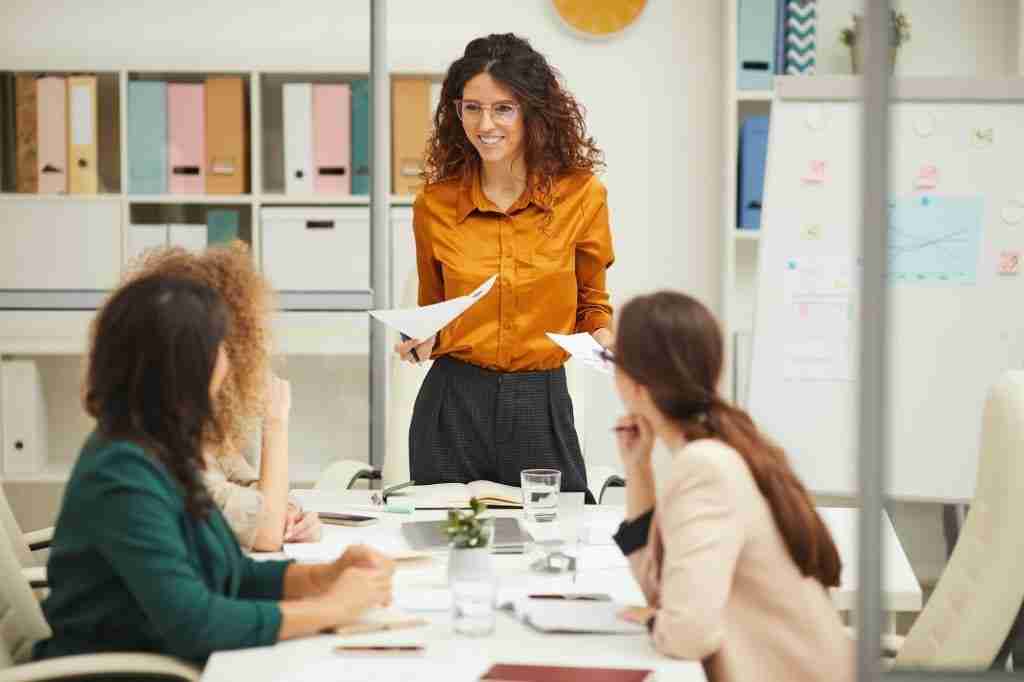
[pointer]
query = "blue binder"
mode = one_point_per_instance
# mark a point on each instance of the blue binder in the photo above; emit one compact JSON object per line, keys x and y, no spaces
{"x":360,"y":136}
{"x":147,"y":137}
{"x":753,"y":155}
{"x":221,"y":226}
{"x":755,"y":59}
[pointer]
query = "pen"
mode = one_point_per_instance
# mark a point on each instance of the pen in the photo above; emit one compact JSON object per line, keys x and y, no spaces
{"x":382,"y":648}
{"x":413,"y":351}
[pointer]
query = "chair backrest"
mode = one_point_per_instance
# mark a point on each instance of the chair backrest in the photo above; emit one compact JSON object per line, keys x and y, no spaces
{"x":21,"y":619}
{"x":12,"y":530}
{"x":978,"y":595}
{"x":405,"y":385}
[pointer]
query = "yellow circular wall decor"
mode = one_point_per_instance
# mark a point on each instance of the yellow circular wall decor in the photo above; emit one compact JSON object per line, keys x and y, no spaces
{"x":598,"y":18}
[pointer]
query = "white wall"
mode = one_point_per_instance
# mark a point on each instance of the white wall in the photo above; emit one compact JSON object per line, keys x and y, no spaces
{"x":653,"y":99}
{"x":947,"y":37}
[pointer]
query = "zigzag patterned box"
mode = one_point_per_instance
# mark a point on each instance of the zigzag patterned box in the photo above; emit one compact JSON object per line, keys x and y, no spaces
{"x":801,"y":36}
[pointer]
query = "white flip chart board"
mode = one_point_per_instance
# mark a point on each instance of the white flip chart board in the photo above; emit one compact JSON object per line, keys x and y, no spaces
{"x":955,"y":280}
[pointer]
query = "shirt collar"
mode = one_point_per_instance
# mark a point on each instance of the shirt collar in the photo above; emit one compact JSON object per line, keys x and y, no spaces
{"x":472,"y":198}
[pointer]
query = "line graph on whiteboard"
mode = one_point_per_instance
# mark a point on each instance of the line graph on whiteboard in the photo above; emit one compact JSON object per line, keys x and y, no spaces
{"x":935,"y":240}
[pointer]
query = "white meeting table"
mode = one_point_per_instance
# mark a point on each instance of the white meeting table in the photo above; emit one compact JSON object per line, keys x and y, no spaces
{"x":452,"y":657}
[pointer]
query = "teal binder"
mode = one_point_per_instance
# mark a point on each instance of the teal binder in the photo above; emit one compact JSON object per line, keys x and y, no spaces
{"x":360,"y":136}
{"x":221,"y":226}
{"x":147,"y":137}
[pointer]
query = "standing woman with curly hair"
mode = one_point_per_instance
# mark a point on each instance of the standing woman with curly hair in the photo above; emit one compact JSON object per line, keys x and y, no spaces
{"x":510,"y":189}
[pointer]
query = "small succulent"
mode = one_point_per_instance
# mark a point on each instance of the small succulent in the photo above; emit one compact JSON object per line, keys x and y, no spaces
{"x":899,"y":25}
{"x":466,"y":530}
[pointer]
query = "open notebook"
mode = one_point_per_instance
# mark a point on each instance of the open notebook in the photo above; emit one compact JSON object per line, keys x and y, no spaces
{"x":447,"y":495}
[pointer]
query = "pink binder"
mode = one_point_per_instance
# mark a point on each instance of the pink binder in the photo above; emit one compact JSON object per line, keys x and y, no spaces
{"x":332,"y":158}
{"x":52,"y":109}
{"x":186,"y":137}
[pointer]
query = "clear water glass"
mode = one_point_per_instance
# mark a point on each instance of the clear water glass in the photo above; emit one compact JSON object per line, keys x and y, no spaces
{"x":473,"y":604}
{"x":540,"y":494}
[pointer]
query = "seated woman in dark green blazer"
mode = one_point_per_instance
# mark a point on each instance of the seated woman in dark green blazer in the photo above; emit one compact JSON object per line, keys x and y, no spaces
{"x":141,"y":559}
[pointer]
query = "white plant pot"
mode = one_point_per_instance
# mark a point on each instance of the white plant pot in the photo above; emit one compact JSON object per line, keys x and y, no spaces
{"x":470,"y":564}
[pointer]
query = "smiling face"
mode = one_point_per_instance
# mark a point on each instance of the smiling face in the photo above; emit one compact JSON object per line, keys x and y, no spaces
{"x":496,"y":131}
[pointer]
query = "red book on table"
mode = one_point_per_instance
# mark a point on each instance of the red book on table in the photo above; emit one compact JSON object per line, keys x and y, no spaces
{"x":503,"y":672}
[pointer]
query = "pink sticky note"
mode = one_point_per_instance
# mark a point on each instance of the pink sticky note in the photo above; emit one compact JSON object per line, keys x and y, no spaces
{"x":815,"y":173}
{"x":927,"y":178}
{"x":804,"y":310}
{"x":1009,"y":262}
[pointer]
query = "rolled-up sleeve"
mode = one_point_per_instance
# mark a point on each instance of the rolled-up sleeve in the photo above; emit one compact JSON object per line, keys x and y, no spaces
{"x":594,"y":255}
{"x":427,"y":267}
{"x":240,"y":502}
{"x":136,"y":528}
{"x":702,"y":535}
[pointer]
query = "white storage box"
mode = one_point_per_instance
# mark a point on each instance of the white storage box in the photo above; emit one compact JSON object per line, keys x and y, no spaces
{"x":316,"y":249}
{"x":60,"y":245}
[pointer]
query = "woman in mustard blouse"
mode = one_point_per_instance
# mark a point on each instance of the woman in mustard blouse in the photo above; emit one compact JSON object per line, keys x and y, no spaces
{"x":510,"y":190}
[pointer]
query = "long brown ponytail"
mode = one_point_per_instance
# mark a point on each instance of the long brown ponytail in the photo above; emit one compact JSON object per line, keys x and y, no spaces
{"x":671,"y":344}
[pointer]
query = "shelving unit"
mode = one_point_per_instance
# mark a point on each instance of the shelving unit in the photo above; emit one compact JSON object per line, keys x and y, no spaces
{"x":326,"y":353}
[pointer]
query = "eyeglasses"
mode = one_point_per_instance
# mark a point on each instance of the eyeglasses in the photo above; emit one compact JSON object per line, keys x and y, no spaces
{"x":501,"y":112}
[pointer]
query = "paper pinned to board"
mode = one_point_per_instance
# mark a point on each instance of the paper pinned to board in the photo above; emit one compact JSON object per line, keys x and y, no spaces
{"x":423,"y":322}
{"x":584,"y":348}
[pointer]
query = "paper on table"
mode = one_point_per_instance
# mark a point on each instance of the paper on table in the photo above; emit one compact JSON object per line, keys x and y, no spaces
{"x":584,"y":348}
{"x":336,"y":539}
{"x":577,"y":616}
{"x":421,"y":323}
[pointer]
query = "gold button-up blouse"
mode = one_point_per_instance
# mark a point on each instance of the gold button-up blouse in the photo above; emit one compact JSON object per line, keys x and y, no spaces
{"x":550,"y":257}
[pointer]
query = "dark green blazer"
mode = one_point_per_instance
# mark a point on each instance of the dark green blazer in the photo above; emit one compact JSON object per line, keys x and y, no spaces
{"x":131,"y":570}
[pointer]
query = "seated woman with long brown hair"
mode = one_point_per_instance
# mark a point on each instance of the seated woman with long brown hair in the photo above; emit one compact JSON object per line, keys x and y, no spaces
{"x":256,"y":504}
{"x":729,"y":550}
{"x":142,"y":559}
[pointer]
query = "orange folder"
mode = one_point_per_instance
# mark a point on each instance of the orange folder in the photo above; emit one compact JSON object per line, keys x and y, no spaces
{"x":83,"y":173}
{"x":226,"y":136}
{"x":26,"y":130}
{"x":410,"y":129}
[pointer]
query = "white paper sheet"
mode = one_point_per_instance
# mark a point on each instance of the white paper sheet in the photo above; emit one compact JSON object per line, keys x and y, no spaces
{"x":421,"y":323}
{"x":553,"y":615}
{"x":584,"y":348}
{"x":382,"y":536}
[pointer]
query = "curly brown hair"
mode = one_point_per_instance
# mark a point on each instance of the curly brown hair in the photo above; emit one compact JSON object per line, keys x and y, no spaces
{"x":230,"y":271}
{"x":556,"y":134}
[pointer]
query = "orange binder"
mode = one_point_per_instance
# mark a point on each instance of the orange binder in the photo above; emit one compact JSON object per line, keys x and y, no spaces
{"x":83,"y":174}
{"x":410,"y":129}
{"x":26,"y":130}
{"x":226,"y":136}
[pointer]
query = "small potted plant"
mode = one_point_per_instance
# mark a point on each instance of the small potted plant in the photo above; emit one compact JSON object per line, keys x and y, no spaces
{"x":469,"y":540}
{"x":899,"y":33}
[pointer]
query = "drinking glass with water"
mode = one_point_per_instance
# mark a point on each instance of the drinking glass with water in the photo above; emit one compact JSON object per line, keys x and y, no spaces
{"x":540,"y":494}
{"x":473,"y":602}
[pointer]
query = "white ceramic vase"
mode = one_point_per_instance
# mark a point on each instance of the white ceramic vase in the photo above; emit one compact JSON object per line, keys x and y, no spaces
{"x":470,"y":565}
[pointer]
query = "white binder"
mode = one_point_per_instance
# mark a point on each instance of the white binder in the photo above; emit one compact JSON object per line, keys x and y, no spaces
{"x":189,"y":236}
{"x":23,"y":413}
{"x":316,"y":249}
{"x":298,"y":138}
{"x":144,"y":237}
